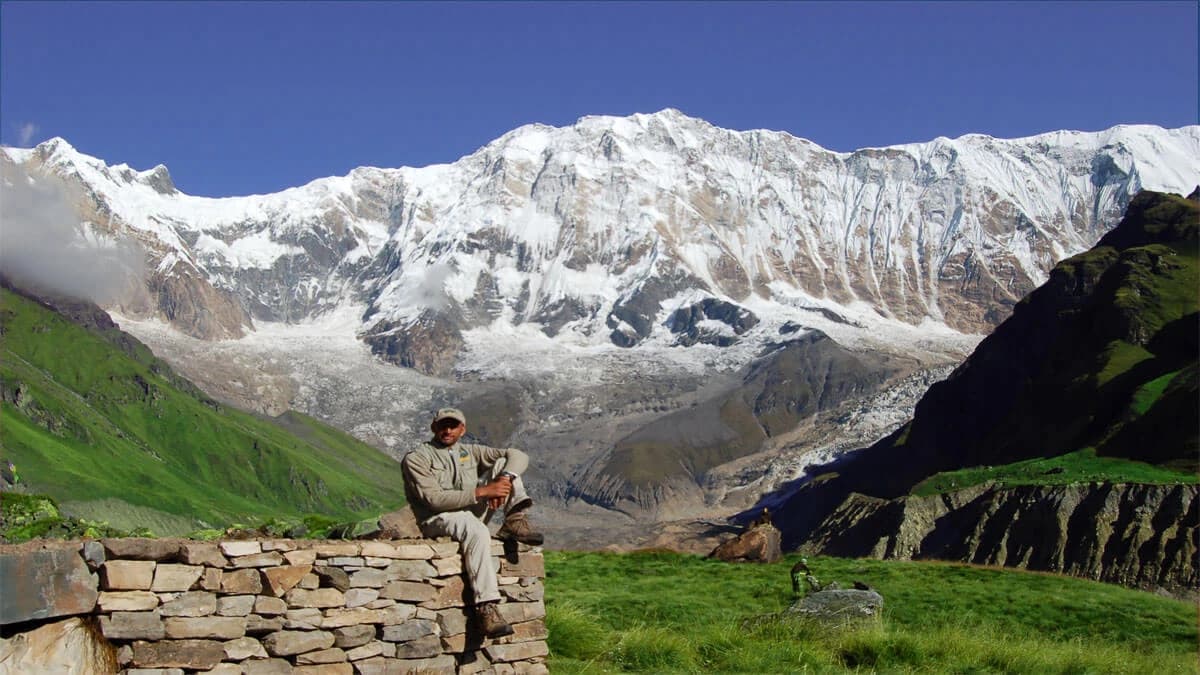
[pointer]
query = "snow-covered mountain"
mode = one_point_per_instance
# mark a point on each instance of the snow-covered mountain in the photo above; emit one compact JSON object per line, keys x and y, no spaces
{"x":618,"y":248}
{"x":618,"y":229}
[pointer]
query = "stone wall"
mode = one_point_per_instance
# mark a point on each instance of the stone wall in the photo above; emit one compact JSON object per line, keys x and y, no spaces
{"x":278,"y":606}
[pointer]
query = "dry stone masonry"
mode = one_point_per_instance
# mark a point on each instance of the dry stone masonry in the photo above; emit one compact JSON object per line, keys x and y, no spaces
{"x":279,"y":606}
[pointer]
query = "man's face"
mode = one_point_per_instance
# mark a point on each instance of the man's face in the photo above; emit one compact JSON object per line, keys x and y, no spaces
{"x":447,"y":431}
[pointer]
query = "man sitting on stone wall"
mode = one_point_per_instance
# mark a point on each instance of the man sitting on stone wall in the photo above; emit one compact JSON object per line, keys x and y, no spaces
{"x":453,"y":489}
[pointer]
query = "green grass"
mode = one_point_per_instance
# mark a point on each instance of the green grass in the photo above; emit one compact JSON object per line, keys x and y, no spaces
{"x":1149,"y":394}
{"x":112,"y":433}
{"x":1081,"y":466}
{"x":674,"y":613}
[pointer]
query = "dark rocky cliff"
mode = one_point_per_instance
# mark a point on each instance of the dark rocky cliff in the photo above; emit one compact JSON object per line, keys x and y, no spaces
{"x":1103,"y":356}
{"x":1144,"y":536}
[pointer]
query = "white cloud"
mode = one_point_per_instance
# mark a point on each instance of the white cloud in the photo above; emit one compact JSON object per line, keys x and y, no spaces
{"x":25,"y":134}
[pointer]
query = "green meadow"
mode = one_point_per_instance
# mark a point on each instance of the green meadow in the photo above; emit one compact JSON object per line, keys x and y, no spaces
{"x":662,"y":612}
{"x":93,"y":420}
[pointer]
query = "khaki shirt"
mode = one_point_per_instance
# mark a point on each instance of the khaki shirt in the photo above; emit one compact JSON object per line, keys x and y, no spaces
{"x":440,"y":478}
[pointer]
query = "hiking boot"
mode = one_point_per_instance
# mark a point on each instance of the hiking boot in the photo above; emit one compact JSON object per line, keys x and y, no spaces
{"x":493,"y":624}
{"x":516,"y":527}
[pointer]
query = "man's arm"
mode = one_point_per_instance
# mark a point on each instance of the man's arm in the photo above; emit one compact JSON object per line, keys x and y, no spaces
{"x":517,"y":461}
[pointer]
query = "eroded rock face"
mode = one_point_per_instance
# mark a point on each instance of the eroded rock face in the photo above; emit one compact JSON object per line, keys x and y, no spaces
{"x":1144,"y":536}
{"x":429,"y":345}
{"x":68,"y":647}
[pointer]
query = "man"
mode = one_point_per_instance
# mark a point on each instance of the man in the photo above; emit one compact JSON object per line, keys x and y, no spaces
{"x":453,"y":488}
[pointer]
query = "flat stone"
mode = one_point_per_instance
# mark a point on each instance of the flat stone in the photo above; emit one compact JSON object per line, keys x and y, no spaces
{"x":325,"y":669}
{"x":241,"y":582}
{"x":331,"y":655}
{"x":312,"y":581}
{"x":258,"y":625}
{"x":430,"y":645}
{"x":519,"y":651}
{"x":390,"y":616}
{"x":124,"y":655}
{"x":448,"y":567}
{"x":333,"y":576}
{"x":268,"y":606}
{"x":218,"y":627}
{"x":452,"y":621}
{"x":132,"y":626}
{"x":281,"y":545}
{"x":365,"y":651}
{"x":127,"y":601}
{"x":211,"y":580}
{"x":348,"y":637}
{"x":526,"y":631}
{"x":192,"y":654}
{"x":321,"y":597}
{"x":239,"y":548}
{"x":408,"y":591}
{"x":380,"y":604}
{"x":369,"y":578}
{"x":346,"y":561}
{"x":446,"y":549}
{"x":448,"y":595}
{"x":141,"y":548}
{"x":302,"y":557}
{"x":410,"y":630}
{"x":527,"y":565}
{"x":225,"y":669}
{"x":268,"y":559}
{"x":266,"y":667}
{"x":127,"y":575}
{"x":334,"y":549}
{"x":201,"y":553}
{"x":411,"y":570}
{"x":168,"y":577}
{"x":280,"y":580}
{"x":357,"y":597}
{"x":244,"y":648}
{"x":303,"y":619}
{"x":192,"y":603}
{"x":377,"y":562}
{"x":336,"y":618}
{"x":235,"y":605}
{"x":518,"y":612}
{"x":517,"y":593}
{"x":438,"y":665}
{"x":286,"y":643}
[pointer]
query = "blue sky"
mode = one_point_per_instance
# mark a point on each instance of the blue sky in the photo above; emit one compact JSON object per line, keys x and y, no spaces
{"x":244,"y":97}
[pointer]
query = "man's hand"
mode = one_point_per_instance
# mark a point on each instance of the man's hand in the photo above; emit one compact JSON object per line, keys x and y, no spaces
{"x":496,"y":492}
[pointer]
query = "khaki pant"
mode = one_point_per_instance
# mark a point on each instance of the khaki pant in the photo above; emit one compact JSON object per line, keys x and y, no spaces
{"x":470,"y":530}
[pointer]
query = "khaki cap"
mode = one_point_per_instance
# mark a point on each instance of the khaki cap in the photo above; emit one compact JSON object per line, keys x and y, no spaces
{"x":449,"y":413}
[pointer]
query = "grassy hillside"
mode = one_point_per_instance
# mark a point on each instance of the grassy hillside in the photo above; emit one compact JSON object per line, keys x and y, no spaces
{"x":673,"y":613}
{"x":91,"y":418}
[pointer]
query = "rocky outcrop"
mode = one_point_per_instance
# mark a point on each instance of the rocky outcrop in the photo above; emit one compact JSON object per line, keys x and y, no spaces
{"x":710,"y":321}
{"x":429,"y":345}
{"x":757,"y":544}
{"x":1144,"y":536}
{"x":795,"y":380}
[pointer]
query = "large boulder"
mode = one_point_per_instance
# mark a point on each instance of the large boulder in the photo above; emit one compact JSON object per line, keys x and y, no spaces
{"x":67,"y":647}
{"x":840,"y":607}
{"x":760,"y":543}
